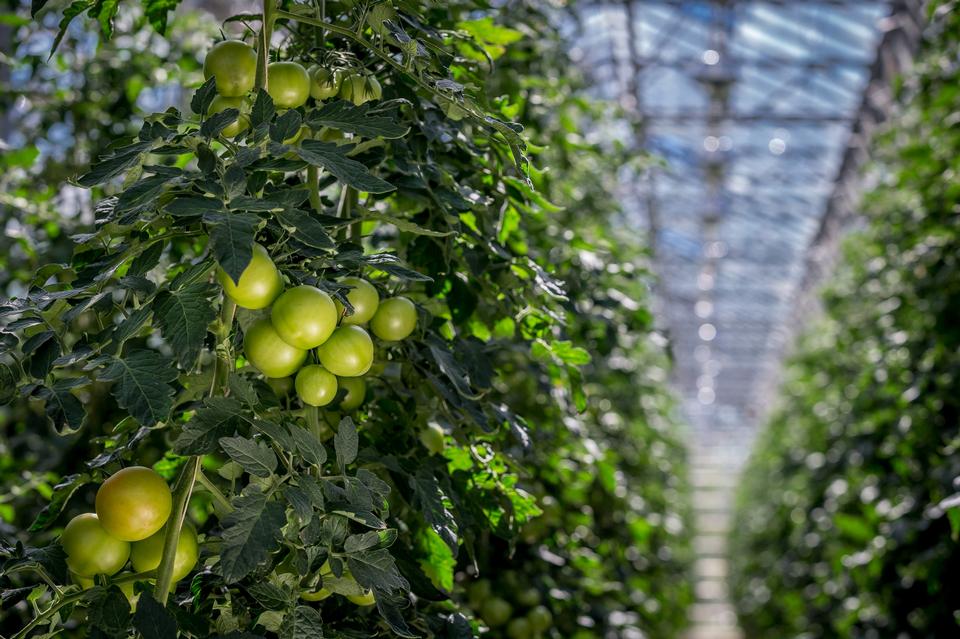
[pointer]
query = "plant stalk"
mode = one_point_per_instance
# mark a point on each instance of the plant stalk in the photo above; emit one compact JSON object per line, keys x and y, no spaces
{"x":181,"y":499}
{"x":266,"y":35}
{"x":211,"y":488}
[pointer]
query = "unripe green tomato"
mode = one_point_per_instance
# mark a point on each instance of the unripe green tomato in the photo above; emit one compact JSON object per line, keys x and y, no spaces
{"x":316,"y":386}
{"x":146,"y":554}
{"x":479,"y":591}
{"x":519,"y":628}
{"x":133,"y":503}
{"x":348,"y":352}
{"x":238,"y":126}
{"x":496,"y":612}
{"x":259,"y":284}
{"x":364,"y":299}
{"x":304,"y":317}
{"x":85,"y":583}
{"x":319,"y":595}
{"x":359,"y":88}
{"x":90,"y":549}
{"x":394,"y":320}
{"x":356,"y":388}
{"x":324,"y":83}
{"x":288,"y":83}
{"x":433,"y":438}
{"x":366,"y":599}
{"x":528,"y":597}
{"x":234,"y":65}
{"x":264,"y":348}
{"x":540,"y":618}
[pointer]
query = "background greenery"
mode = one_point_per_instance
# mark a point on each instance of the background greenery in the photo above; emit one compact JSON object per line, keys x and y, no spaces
{"x":848,"y":518}
{"x":594,"y":448}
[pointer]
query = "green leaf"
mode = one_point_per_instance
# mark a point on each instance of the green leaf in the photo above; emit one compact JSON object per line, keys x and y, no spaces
{"x":263,"y":109}
{"x":232,"y":236}
{"x":152,"y":620}
{"x":255,"y":456}
{"x":309,"y":446}
{"x":142,"y":384}
{"x":194,"y":206}
{"x":306,"y":228}
{"x":213,"y":125}
{"x":203,"y":97}
{"x":156,"y":12}
{"x":115,"y":164}
{"x":345,"y":443}
{"x":64,"y":409}
{"x":434,"y":506}
{"x":183,"y":317}
{"x":76,"y":8}
{"x":376,"y":569}
{"x":333,"y":159}
{"x":270,"y":596}
{"x":405,"y":226}
{"x":303,"y":623}
{"x":109,"y":612}
{"x":286,"y":126}
{"x":217,"y":418}
{"x":62,"y":493}
{"x":363,"y":120}
{"x":251,"y":532}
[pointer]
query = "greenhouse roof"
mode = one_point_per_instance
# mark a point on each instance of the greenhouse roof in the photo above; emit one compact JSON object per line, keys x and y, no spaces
{"x":751,"y":104}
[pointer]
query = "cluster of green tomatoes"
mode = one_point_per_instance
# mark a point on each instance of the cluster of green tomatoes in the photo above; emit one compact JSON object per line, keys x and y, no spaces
{"x":304,"y":319}
{"x":132,"y":508}
{"x":290,"y":84}
{"x":499,"y":613}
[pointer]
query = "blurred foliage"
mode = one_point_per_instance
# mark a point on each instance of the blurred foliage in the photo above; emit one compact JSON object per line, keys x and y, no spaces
{"x":849,"y":512}
{"x":610,"y":556}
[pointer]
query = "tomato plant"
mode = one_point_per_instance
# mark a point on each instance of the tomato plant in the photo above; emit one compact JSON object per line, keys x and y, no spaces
{"x":306,"y":518}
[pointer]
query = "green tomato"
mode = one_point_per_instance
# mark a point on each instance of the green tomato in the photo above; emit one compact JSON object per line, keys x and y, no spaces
{"x":479,"y":591}
{"x":366,"y":599}
{"x":528,"y":597}
{"x":259,"y":284}
{"x":519,"y":629}
{"x":238,"y":126}
{"x":133,"y":503}
{"x":359,"y":88}
{"x":316,"y":386}
{"x":319,"y":595}
{"x":234,"y":65}
{"x":356,"y":388}
{"x":90,"y":549}
{"x":146,"y":554}
{"x":304,"y":317}
{"x":394,"y":320}
{"x":267,"y":351}
{"x":496,"y":612}
{"x":348,"y":352}
{"x":324,"y":83}
{"x":433,"y":438}
{"x":364,"y":299}
{"x":85,"y":583}
{"x":288,"y":83}
{"x":540,"y":618}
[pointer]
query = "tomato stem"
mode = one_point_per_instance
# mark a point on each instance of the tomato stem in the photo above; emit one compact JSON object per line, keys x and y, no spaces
{"x":313,"y":181}
{"x":211,"y":488}
{"x":266,"y":35}
{"x":181,"y":499}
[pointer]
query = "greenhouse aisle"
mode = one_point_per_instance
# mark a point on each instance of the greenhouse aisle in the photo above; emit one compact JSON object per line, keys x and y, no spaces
{"x":714,"y":471}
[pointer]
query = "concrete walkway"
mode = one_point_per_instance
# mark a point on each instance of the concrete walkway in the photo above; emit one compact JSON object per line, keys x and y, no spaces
{"x":714,"y":471}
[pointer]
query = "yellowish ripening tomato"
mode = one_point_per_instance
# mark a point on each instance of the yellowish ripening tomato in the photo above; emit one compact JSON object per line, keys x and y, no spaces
{"x":146,"y":554}
{"x":134,"y":503}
